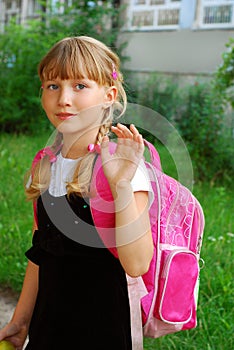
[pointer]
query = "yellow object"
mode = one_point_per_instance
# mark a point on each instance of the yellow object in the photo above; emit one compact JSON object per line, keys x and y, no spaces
{"x":6,"y":345}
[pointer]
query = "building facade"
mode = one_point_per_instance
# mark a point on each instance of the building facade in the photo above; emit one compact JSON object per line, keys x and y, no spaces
{"x":169,"y":36}
{"x":177,"y":36}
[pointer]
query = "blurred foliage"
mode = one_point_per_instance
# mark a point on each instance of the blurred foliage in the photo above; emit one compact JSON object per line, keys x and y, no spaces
{"x":197,"y":112}
{"x":206,"y":129}
{"x":224,"y":82}
{"x":22,"y":47}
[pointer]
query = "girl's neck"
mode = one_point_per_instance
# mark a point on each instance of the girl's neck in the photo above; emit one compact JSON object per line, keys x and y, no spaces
{"x":74,"y":147}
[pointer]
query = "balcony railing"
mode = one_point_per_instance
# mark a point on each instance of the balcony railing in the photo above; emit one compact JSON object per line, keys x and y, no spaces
{"x":216,"y":14}
{"x":154,"y":14}
{"x":166,"y":14}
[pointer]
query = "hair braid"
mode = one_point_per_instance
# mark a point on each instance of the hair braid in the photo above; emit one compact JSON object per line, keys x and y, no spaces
{"x":57,"y":142}
{"x":104,"y":130}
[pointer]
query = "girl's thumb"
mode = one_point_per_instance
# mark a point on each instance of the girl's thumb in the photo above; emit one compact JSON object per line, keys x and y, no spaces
{"x":3,"y":334}
{"x":8,"y":331}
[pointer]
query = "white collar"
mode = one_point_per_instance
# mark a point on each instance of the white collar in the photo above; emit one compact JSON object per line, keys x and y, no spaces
{"x":61,"y":172}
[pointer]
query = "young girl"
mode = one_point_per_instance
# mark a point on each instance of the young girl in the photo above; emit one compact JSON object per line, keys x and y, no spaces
{"x":75,"y":294}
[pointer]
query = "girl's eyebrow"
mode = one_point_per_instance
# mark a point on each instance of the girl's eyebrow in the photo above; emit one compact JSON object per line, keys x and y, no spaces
{"x":81,"y":79}
{"x":49,"y":80}
{"x":84,"y":81}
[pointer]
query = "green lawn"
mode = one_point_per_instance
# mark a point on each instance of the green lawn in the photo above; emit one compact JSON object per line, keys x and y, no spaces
{"x":215,"y":311}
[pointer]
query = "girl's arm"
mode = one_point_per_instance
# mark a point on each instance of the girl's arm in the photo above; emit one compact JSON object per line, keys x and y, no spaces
{"x":133,"y":233}
{"x":27,"y":299}
{"x":16,"y":330}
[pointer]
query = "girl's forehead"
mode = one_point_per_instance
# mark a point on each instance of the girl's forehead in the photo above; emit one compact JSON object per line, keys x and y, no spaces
{"x":62,"y":78}
{"x":63,"y":72}
{"x":68,"y":69}
{"x":58,"y":78}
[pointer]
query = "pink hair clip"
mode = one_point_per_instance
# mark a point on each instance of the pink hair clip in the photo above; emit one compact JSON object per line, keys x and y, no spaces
{"x":114,"y":73}
{"x":42,"y":153}
{"x":94,"y":148}
{"x":42,"y":87}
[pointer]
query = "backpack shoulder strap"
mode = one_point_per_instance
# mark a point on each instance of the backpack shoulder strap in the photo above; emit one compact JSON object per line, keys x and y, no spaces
{"x":154,"y":156}
{"x":102,"y":205}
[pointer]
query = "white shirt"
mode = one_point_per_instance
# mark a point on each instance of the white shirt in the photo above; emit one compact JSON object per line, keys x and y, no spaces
{"x":63,"y":169}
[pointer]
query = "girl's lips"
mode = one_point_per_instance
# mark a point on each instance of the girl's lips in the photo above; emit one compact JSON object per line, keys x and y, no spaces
{"x":65,"y":116}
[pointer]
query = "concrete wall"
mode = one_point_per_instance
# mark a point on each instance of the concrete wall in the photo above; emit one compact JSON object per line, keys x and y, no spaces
{"x":185,"y":51}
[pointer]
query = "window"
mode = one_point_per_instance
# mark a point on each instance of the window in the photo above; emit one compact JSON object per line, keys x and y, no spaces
{"x":217,"y":14}
{"x":154,"y":14}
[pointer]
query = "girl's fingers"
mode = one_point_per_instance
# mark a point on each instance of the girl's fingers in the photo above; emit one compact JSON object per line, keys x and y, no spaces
{"x":136,"y":135}
{"x":105,"y":144}
{"x":139,"y":139}
{"x":124,"y":132}
{"x":105,"y":139}
{"x":134,"y":129}
{"x":129,"y":137}
{"x":117,"y":131}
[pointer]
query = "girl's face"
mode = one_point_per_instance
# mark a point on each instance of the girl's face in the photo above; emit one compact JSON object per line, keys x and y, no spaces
{"x":75,"y":106}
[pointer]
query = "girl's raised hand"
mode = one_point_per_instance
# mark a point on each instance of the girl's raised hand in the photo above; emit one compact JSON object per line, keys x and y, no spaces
{"x":122,"y":165}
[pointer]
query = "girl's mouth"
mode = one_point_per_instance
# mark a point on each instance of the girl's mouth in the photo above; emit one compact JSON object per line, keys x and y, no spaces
{"x":65,"y":116}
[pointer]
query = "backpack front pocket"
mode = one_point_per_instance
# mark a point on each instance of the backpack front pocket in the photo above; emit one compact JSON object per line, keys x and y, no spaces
{"x":178,"y":277}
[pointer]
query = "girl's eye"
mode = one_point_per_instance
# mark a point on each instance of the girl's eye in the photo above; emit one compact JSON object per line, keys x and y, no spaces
{"x":52,"y":87}
{"x":80,"y":86}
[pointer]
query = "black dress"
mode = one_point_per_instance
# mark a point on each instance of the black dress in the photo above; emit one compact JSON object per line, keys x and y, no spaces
{"x":82,"y":301}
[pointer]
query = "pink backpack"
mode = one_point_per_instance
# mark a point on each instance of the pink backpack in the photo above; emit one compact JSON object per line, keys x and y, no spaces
{"x":169,"y":289}
{"x":168,"y":292}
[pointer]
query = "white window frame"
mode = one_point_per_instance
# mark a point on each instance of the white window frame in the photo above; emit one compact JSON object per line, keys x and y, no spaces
{"x":215,"y":3}
{"x":154,"y":10}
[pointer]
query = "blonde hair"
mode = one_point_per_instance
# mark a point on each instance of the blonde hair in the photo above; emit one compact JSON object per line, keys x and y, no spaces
{"x":78,"y":58}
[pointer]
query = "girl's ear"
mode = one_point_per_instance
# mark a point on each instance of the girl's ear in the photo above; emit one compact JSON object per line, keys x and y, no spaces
{"x":111,"y":95}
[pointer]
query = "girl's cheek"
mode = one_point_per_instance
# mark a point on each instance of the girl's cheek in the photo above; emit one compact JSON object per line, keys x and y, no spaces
{"x":44,"y":101}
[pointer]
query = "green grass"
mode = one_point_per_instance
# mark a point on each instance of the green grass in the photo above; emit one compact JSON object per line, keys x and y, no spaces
{"x":215,"y":309}
{"x":16,"y":154}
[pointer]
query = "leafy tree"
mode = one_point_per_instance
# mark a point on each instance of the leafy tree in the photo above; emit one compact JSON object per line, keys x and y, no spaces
{"x":22,"y":47}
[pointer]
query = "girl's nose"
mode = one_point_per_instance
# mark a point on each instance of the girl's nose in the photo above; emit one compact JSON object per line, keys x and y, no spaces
{"x":65,"y":98}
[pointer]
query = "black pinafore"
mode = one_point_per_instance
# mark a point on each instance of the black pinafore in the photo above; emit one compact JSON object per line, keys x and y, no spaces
{"x":82,"y":300}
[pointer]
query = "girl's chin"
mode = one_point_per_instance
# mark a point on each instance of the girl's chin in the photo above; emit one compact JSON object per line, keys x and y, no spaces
{"x":69,"y":125}
{"x":67,"y":129}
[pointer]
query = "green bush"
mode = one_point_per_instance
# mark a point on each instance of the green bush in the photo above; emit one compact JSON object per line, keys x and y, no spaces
{"x":154,"y":93}
{"x":21,"y":49}
{"x":202,"y":124}
{"x":224,"y":79}
{"x":157,"y":92}
{"x":197,"y":113}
